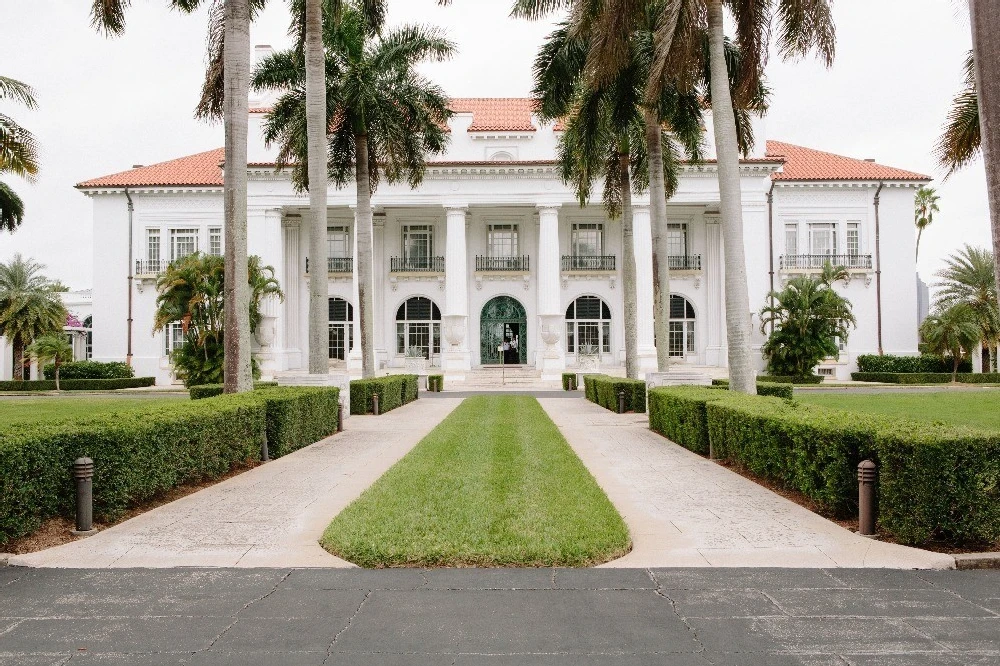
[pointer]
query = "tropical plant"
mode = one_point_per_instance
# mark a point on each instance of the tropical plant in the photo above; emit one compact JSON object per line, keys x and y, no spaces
{"x":925,"y":204}
{"x":29,"y":308}
{"x":18,"y":152}
{"x":951,"y":331}
{"x":961,"y":140}
{"x":968,"y":278}
{"x":807,"y":318}
{"x":193,"y":291}
{"x":51,"y":347}
{"x":385,"y":118}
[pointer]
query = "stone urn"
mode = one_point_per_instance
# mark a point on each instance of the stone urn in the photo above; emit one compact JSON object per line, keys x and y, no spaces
{"x":550,"y":328}
{"x":589,"y":361}
{"x":454,"y":330}
{"x":265,"y":330}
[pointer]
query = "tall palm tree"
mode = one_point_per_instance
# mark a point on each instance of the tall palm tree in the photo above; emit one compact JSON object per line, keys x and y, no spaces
{"x":51,"y":347}
{"x":29,"y":307}
{"x":385,"y":118}
{"x":969,"y":278}
{"x":18,"y":152}
{"x":961,"y":141}
{"x":925,"y":204}
{"x":951,"y":331}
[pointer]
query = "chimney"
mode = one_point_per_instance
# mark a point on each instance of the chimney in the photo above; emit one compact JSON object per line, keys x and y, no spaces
{"x":260,"y":99}
{"x":870,"y":159}
{"x":260,"y":52}
{"x":138,"y":166}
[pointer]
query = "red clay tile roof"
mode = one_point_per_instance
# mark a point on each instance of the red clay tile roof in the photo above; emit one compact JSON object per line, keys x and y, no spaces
{"x":497,"y":114}
{"x":808,"y":164}
{"x":202,"y":169}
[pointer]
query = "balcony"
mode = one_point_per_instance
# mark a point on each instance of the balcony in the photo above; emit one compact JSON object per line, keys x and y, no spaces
{"x":685,"y":262}
{"x":501,"y":264}
{"x":416,"y":264}
{"x":816,"y":262}
{"x":336,"y":265}
{"x":150,"y":267}
{"x":596,"y":262}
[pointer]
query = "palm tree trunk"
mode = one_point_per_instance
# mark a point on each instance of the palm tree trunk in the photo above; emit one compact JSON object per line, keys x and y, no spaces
{"x":956,"y":358}
{"x":741,"y":368}
{"x":238,"y":375}
{"x":920,"y":231}
{"x":366,"y":310}
{"x":661,"y":251}
{"x":986,"y":53}
{"x":57,"y":375}
{"x":18,"y":345}
{"x":316,"y":130}
{"x":628,"y":270}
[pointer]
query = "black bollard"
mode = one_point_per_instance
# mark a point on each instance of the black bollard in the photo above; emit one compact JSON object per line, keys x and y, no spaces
{"x":83,"y":472}
{"x":340,"y":416}
{"x":375,"y":404}
{"x":866,"y":498}
{"x":621,"y":402}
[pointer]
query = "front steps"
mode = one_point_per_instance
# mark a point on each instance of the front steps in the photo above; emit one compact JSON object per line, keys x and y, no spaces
{"x":511,"y":376}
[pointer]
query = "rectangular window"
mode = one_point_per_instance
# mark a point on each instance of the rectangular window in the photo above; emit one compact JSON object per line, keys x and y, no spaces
{"x":791,"y":239}
{"x":677,"y":240}
{"x":570,"y":338}
{"x":823,"y":239}
{"x":153,"y":246}
{"x":418,"y":246}
{"x":503,"y":240}
{"x":400,"y":338}
{"x":853,"y":239}
{"x":215,"y":241}
{"x":182,"y":243}
{"x":338,"y":242}
{"x":173,"y":337}
{"x":606,"y":337}
{"x":588,"y":240}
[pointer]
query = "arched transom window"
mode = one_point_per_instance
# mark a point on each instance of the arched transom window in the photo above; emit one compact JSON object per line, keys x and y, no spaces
{"x":588,"y":326}
{"x":341,"y":328}
{"x":418,"y":328}
{"x":682,"y":319}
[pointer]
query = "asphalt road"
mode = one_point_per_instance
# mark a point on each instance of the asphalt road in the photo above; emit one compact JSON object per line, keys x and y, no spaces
{"x":500,"y":617}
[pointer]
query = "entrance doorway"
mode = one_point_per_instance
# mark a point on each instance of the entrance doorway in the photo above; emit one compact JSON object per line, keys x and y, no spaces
{"x":503,"y":332}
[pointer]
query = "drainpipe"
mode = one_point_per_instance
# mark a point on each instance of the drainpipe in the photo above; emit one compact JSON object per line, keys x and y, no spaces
{"x":131,"y":277}
{"x":878,"y":272}
{"x":770,"y":246}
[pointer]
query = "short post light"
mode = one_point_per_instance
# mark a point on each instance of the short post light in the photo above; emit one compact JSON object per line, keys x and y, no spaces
{"x":621,"y":402}
{"x":340,"y":416}
{"x":866,"y":498}
{"x":83,"y":472}
{"x":375,"y":404}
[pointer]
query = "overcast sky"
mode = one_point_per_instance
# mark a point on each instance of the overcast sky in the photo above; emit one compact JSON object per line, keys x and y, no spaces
{"x":106,"y":104}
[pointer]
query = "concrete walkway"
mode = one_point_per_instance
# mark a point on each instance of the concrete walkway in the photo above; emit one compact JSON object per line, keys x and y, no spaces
{"x":272,"y":515}
{"x":686,"y":511}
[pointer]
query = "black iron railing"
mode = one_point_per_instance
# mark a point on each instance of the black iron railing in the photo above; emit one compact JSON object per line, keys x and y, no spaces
{"x":685,"y":262}
{"x":817,"y":261}
{"x":416,"y":264}
{"x":486,"y":264}
{"x":336,"y":264}
{"x":151,"y":266}
{"x":596,"y":262}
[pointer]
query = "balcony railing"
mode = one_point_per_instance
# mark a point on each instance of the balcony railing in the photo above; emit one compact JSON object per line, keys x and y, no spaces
{"x":686,"y":262}
{"x":336,"y":264}
{"x":596,"y":262}
{"x":151,"y":266}
{"x":817,"y":261}
{"x":487,"y":264}
{"x":416,"y":265}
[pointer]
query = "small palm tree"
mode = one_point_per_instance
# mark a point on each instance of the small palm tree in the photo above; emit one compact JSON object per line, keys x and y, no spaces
{"x":953,"y":330}
{"x":385,"y":118}
{"x":968,"y":278}
{"x":18,"y":152}
{"x":51,"y":347}
{"x":924,"y":206}
{"x":29,"y":307}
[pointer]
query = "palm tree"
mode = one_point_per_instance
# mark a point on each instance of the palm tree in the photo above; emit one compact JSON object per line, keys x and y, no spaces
{"x":924,"y":206}
{"x":18,"y":152}
{"x":951,"y":330}
{"x":385,"y":118}
{"x":969,"y":278}
{"x":961,"y":141}
{"x":51,"y":347}
{"x":29,"y":308}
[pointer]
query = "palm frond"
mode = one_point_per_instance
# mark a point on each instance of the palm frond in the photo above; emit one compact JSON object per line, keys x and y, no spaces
{"x":536,"y":9}
{"x":18,"y":149}
{"x":804,"y":25}
{"x":17,"y":91}
{"x":11,"y":209}
{"x":961,"y":142}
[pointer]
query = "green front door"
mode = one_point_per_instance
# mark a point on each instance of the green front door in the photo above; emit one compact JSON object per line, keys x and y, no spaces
{"x":503,"y":324}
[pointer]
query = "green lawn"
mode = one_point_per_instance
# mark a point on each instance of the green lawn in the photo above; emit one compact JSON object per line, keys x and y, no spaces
{"x":495,"y":484}
{"x":972,"y":408}
{"x":40,"y":409}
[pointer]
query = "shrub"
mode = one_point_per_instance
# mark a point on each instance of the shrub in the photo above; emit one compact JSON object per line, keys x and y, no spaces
{"x":393,"y":391}
{"x":789,"y":379}
{"x":212,"y":390}
{"x":79,"y":384}
{"x":569,"y":381}
{"x":678,"y":413}
{"x":603,"y":390}
{"x":926,"y":377}
{"x":411,"y":388}
{"x":435,"y":383}
{"x":772,"y":389}
{"x":926,"y":363}
{"x":90,"y":370}
{"x":139,"y":454}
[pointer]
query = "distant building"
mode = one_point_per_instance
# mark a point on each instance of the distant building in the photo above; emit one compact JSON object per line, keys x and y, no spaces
{"x":80,"y":308}
{"x":923,"y":300}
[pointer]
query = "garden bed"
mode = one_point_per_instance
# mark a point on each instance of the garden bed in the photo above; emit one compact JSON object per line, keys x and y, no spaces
{"x":78,"y":384}
{"x":926,"y":377}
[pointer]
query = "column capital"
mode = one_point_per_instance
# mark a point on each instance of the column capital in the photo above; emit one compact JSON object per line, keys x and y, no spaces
{"x":455,"y":207}
{"x":548,"y":206}
{"x":640,"y":208}
{"x":712,"y":218}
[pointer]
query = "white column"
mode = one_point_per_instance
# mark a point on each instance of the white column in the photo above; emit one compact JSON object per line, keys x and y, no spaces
{"x":642,"y":242}
{"x":270,"y":332}
{"x":711,"y":323}
{"x":294,"y":270}
{"x":455,"y":355}
{"x":550,"y":357}
{"x":354,"y":359}
{"x":379,"y":331}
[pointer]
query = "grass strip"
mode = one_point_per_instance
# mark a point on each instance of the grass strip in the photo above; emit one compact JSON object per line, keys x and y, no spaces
{"x":977,"y":409}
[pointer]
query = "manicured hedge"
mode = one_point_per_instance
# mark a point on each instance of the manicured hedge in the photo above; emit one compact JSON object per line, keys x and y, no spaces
{"x":604,"y":390}
{"x":79,"y":384}
{"x":926,"y":377}
{"x":924,"y":363}
{"x":679,"y":414}
{"x":90,"y":370}
{"x":788,"y":379}
{"x":569,"y":381}
{"x":140,"y":453}
{"x":393,"y":391}
{"x":435,"y":383}
{"x":772,"y":389}
{"x":211,"y":390}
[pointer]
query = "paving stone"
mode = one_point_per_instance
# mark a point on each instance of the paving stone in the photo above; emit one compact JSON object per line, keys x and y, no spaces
{"x":722,"y":603}
{"x":772,"y":659}
{"x":388,"y":659}
{"x":913,"y":659}
{"x":883,"y":579}
{"x":253,"y":634}
{"x":489,"y":579}
{"x":975,"y":584}
{"x":355,"y":579}
{"x":657,"y":659}
{"x":333,"y":605}
{"x":205,"y":659}
{"x":737,"y":579}
{"x":33,"y":660}
{"x":604,"y":579}
{"x":875,"y":603}
{"x":963,"y":635}
{"x":133,"y":634}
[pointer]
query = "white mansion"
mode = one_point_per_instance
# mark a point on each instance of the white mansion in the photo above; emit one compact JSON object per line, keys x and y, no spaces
{"x":493,"y":247}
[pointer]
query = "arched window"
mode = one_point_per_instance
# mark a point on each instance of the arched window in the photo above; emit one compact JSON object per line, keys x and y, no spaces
{"x":588,"y":326}
{"x":682,"y":320}
{"x":418,"y":328}
{"x":341,"y":328}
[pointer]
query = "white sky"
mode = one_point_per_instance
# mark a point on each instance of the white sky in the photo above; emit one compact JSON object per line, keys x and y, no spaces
{"x":107,"y":104}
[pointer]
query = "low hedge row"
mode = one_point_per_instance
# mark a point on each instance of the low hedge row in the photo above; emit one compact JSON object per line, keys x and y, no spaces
{"x":393,"y":391}
{"x":89,"y":370}
{"x":140,"y":453}
{"x":924,"y":363}
{"x":604,"y":390}
{"x":569,"y":381}
{"x":435,"y":383}
{"x":202,"y":391}
{"x":934,"y":481}
{"x":789,"y":379}
{"x":79,"y":384}
{"x":926,"y":377}
{"x":772,"y":389}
